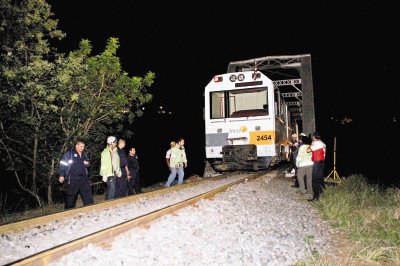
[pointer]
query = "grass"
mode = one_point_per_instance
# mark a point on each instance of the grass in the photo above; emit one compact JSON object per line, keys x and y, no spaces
{"x":370,"y":215}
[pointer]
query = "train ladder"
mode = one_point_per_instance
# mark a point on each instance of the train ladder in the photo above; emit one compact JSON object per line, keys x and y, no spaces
{"x":333,"y":175}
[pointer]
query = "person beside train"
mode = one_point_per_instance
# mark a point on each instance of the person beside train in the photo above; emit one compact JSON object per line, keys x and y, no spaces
{"x":318,"y":151}
{"x":299,"y":143}
{"x":121,"y":184}
{"x":134,"y":185}
{"x":177,"y":162}
{"x":294,"y":149}
{"x":168,"y":153}
{"x":168,"y":158}
{"x":73,"y":172}
{"x":304,"y":166}
{"x":110,"y":166}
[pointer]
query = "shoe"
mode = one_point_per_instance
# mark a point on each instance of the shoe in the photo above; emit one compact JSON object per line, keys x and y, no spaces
{"x":313,"y":199}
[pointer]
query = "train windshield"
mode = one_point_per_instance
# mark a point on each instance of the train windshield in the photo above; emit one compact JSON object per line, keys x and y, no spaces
{"x":241,"y":103}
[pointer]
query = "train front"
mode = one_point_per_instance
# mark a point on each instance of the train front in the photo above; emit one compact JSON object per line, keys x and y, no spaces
{"x":240,"y":122}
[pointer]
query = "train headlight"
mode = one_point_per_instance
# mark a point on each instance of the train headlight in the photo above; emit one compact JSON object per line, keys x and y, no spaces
{"x":232,"y":78}
{"x":255,"y":76}
{"x":217,"y":79}
{"x":240,"y":77}
{"x":257,"y":127}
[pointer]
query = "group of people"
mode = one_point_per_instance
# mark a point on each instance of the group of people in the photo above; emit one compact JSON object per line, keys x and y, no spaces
{"x":176,"y":161}
{"x":308,"y":157}
{"x":119,"y":170}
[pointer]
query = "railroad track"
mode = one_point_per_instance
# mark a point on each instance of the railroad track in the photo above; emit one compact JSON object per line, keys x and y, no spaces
{"x":104,"y":236}
{"x":99,"y":206}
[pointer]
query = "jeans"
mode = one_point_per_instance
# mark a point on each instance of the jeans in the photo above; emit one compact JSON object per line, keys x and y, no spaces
{"x":172,"y":176}
{"x":121,"y":184}
{"x":110,"y":192}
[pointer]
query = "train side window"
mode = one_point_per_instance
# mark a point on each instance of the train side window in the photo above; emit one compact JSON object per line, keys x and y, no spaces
{"x":217,"y":105}
{"x":277,"y":103}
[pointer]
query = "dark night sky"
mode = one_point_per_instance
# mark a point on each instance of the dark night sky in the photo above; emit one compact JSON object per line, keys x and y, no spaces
{"x":354,"y":51}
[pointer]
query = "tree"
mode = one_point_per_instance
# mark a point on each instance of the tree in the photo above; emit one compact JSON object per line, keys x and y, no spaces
{"x":26,"y":95}
{"x":51,"y":100}
{"x":96,"y":96}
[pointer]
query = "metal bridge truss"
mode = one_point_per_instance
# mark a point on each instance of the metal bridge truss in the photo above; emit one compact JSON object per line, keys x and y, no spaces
{"x":297,"y":91}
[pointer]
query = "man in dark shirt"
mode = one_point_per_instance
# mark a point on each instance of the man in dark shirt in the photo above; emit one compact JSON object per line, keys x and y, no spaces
{"x":73,"y":171}
{"x":121,"y":184}
{"x":134,"y":184}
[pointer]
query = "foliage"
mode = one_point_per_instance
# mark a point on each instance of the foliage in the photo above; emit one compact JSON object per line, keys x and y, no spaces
{"x":96,"y":96}
{"x":370,"y":214}
{"x":51,"y":100}
{"x":26,"y":89}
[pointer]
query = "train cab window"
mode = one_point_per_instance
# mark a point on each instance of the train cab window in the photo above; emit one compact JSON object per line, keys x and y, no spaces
{"x":248,"y":102}
{"x":217,"y":104}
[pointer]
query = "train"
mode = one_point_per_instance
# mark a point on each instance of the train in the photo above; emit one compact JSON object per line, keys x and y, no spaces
{"x":253,"y":111}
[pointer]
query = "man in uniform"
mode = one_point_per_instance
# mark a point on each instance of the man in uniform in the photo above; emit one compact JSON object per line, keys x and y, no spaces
{"x":121,"y":185}
{"x":73,"y":172}
{"x":134,"y":182}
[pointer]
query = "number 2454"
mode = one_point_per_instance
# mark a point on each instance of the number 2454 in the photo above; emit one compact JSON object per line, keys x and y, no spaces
{"x":264,"y":137}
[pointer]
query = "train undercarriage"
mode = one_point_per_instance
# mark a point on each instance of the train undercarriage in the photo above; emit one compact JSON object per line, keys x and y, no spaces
{"x":241,"y":158}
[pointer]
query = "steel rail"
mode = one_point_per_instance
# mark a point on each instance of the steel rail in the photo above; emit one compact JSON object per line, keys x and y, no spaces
{"x":104,"y":237}
{"x":31,"y":222}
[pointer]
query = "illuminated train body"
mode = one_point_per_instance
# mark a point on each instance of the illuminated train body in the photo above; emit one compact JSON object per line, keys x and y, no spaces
{"x":246,"y":122}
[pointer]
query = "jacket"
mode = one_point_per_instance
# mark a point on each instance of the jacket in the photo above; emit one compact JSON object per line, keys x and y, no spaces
{"x":303,"y":157}
{"x":178,"y":156}
{"x":318,"y":149}
{"x":106,"y":167}
{"x":67,"y":160}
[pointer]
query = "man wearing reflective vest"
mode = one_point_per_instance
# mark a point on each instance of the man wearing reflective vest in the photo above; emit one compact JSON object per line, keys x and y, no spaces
{"x":110,"y":166}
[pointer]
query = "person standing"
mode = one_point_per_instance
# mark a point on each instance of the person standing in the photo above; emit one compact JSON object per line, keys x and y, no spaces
{"x":183,"y":161}
{"x":177,"y":162}
{"x":134,"y":185}
{"x":73,"y":171}
{"x":304,"y":167}
{"x":168,"y":154}
{"x":167,"y":160}
{"x":318,"y":150}
{"x":110,"y":166}
{"x":121,"y":184}
{"x":294,"y":149}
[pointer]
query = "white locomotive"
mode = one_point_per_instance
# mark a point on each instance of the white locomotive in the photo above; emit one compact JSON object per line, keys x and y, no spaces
{"x":247,"y":122}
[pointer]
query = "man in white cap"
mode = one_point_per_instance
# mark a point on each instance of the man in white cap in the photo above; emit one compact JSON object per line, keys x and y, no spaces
{"x":110,"y":166}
